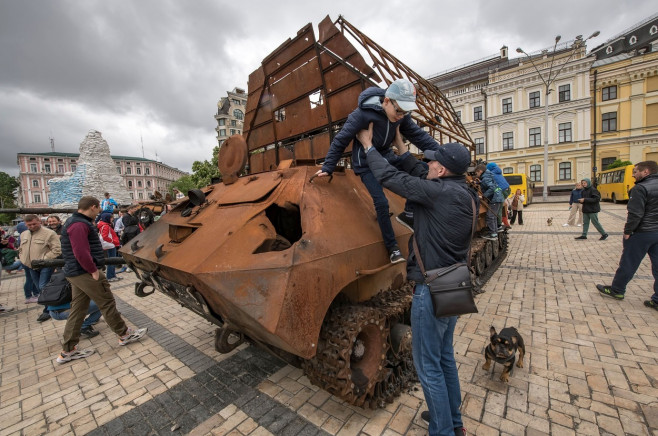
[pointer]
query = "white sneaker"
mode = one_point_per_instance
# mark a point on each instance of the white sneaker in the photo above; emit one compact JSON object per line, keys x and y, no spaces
{"x":132,"y":335}
{"x":565,"y":225}
{"x":580,"y":225}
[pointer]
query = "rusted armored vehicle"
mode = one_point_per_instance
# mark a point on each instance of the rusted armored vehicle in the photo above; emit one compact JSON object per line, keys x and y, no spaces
{"x":292,"y":263}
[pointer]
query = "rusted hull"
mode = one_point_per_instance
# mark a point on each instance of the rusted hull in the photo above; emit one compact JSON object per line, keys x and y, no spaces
{"x":234,"y":254}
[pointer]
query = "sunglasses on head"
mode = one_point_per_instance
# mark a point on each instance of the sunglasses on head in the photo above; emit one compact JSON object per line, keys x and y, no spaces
{"x":399,"y":110}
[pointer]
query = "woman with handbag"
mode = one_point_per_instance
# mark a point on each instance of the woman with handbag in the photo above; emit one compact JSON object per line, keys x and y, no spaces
{"x":517,"y":207}
{"x":110,"y":242}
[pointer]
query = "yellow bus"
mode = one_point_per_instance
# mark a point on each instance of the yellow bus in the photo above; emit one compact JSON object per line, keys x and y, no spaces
{"x":614,"y":184}
{"x":520,"y":181}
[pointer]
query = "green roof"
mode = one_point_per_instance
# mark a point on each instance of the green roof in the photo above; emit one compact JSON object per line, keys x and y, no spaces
{"x":58,"y":154}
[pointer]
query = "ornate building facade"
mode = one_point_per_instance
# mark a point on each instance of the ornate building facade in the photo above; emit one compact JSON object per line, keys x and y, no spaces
{"x":230,"y":114}
{"x":142,"y":176}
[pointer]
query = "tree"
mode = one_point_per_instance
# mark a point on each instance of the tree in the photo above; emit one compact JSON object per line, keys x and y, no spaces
{"x":183,"y":184}
{"x":204,"y":171}
{"x":619,"y":163}
{"x":8,"y":185}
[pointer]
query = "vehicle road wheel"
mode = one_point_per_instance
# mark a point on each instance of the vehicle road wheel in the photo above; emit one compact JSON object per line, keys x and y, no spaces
{"x":488,"y":253}
{"x":479,"y":263}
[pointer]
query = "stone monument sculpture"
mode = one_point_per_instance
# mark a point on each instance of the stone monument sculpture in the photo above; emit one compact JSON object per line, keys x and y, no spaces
{"x":94,"y":175}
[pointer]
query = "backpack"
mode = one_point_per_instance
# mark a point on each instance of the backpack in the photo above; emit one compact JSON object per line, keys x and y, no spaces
{"x":56,"y":292}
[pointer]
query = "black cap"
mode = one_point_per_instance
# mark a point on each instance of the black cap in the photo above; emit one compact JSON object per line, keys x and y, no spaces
{"x":454,"y":156}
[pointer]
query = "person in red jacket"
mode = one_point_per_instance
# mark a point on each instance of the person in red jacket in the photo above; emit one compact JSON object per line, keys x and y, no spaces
{"x":109,"y":236}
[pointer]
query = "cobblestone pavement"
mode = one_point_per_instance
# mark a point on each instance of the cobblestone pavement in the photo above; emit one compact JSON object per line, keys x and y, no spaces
{"x":590,"y":368}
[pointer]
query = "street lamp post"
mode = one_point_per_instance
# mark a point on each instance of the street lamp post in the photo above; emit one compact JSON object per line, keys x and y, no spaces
{"x":547,"y":84}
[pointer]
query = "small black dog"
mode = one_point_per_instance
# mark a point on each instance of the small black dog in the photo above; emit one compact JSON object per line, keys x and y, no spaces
{"x":502,"y":349}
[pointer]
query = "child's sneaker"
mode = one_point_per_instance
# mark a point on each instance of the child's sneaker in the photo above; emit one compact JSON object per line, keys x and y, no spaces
{"x":73,"y":355}
{"x":131,"y":335}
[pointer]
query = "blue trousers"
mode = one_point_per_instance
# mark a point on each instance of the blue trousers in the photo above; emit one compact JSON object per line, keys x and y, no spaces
{"x":40,"y":277}
{"x":94,"y":314}
{"x":492,"y":217}
{"x":29,"y":288}
{"x":434,"y":359}
{"x":110,"y":272}
{"x":634,"y":250}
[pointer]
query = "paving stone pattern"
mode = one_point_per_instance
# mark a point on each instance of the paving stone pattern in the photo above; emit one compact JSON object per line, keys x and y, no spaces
{"x":590,"y":368}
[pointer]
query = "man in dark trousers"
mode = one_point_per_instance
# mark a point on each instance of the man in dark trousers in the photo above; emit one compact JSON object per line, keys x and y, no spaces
{"x":387,"y":109}
{"x":591,"y":201}
{"x":640,"y":233}
{"x":443,"y":216}
{"x":83,"y":255}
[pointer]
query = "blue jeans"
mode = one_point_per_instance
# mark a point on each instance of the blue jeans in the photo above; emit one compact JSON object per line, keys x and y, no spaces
{"x":40,"y":277}
{"x":434,"y":359}
{"x":634,"y":250}
{"x":29,"y":288}
{"x":94,"y":314}
{"x":492,"y":217}
{"x":110,"y":272}
{"x":381,"y":207}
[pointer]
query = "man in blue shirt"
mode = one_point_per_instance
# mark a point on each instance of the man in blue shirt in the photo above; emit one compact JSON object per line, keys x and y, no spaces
{"x":108,"y":204}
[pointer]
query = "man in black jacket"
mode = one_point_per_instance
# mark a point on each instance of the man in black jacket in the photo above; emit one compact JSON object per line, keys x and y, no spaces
{"x":443,"y":216}
{"x":640,"y":233}
{"x":591,"y":201}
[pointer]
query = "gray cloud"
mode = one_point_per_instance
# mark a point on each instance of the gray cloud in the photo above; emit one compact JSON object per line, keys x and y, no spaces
{"x":154,"y":69}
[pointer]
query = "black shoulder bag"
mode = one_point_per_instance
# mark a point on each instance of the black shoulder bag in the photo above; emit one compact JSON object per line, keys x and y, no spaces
{"x":56,"y":292}
{"x":451,"y":287}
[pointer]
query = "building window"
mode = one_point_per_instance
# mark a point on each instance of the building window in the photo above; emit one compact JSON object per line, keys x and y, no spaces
{"x":139,"y":183}
{"x":508,"y":170}
{"x":222,"y":121}
{"x":232,"y":131}
{"x":35,"y":183}
{"x":73,"y":167}
{"x":119,"y":170}
{"x":234,"y":123}
{"x":477,"y":113}
{"x":60,"y":168}
{"x":46,"y":167}
{"x":141,"y":196}
{"x":37,"y":198}
{"x":132,"y":196}
{"x":535,"y":137}
{"x":129,"y":170}
{"x":507,"y":105}
{"x":139,"y":171}
{"x":222,"y":132}
{"x":148,"y":183}
{"x":565,"y":93}
{"x":479,"y":146}
{"x":508,"y":141}
{"x":238,"y":114}
{"x":535,"y":100}
{"x":565,"y":132}
{"x":565,"y":170}
{"x":235,"y":101}
{"x":609,"y":122}
{"x":606,"y":161}
{"x":130,"y":184}
{"x":33,"y":167}
{"x":535,"y":173}
{"x":459,"y":115}
{"x":609,"y":93}
{"x":147,"y":171}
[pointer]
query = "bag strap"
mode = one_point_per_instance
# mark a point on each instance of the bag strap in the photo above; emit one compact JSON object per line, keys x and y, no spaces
{"x":468,"y":262}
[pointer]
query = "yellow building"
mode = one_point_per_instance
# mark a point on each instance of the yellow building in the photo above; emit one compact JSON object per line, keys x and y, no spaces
{"x":624,"y":83}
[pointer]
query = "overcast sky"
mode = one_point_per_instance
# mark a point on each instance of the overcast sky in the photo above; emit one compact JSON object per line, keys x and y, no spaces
{"x":155,"y":69}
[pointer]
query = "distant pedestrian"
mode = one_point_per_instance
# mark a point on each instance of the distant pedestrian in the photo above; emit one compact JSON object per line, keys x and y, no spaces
{"x":516,"y":203}
{"x":575,"y":207}
{"x":640,"y":233}
{"x":83,"y":255}
{"x":591,"y":200}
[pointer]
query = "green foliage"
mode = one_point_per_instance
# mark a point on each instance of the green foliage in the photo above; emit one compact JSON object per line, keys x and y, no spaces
{"x":619,"y":163}
{"x":8,"y":185}
{"x":202,"y":173}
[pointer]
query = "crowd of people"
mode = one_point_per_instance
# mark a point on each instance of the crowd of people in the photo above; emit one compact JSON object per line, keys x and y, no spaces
{"x":84,"y":241}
